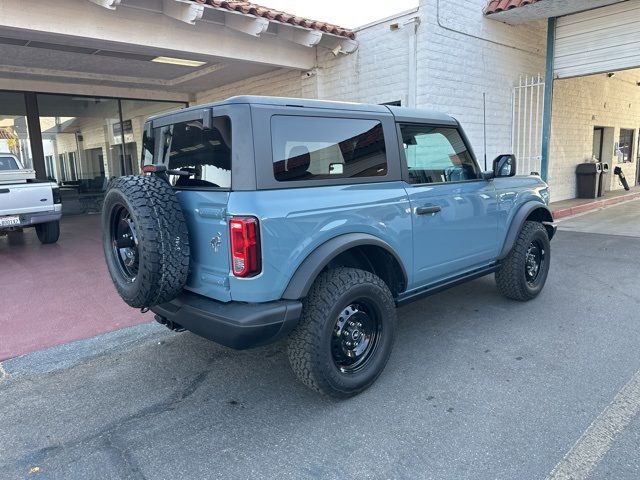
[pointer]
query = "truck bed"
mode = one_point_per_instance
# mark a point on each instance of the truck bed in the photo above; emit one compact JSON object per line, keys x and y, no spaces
{"x":16,"y":176}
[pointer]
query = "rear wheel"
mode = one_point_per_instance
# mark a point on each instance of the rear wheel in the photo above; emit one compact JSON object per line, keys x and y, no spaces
{"x":523,"y":273}
{"x":48,"y":232}
{"x":346,"y":333}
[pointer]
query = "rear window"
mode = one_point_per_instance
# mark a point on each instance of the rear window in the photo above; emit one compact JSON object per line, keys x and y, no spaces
{"x":8,"y":163}
{"x":200,"y":157}
{"x":318,"y":148}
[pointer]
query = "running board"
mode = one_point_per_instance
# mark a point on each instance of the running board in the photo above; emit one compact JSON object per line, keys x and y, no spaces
{"x":409,"y":297}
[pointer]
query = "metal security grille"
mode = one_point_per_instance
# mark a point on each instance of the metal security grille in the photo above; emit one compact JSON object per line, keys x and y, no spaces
{"x":526,"y":138}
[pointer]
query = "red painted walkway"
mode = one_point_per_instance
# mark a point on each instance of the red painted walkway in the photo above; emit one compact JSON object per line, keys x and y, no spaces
{"x":53,"y":294}
{"x":568,"y":208}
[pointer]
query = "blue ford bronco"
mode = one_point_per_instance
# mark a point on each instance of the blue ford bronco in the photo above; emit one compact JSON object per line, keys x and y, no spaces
{"x":258,"y":218}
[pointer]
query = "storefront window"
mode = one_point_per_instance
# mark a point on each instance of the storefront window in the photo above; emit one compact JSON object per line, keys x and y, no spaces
{"x":86,"y":141}
{"x":14,"y":134}
{"x":78,"y":132}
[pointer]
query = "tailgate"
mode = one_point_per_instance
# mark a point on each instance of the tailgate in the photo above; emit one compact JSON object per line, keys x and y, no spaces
{"x":205,"y":213}
{"x":17,"y":199}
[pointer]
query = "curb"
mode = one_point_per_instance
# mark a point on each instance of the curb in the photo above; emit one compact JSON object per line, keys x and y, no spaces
{"x":65,"y":356}
{"x":595,"y":205}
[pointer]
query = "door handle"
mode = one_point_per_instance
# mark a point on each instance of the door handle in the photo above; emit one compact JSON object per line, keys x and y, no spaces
{"x":427,"y":209}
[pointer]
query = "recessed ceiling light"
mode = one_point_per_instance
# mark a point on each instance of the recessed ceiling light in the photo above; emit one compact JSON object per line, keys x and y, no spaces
{"x":178,"y":61}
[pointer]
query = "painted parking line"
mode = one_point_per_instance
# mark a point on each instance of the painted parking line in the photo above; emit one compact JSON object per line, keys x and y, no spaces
{"x":596,"y":441}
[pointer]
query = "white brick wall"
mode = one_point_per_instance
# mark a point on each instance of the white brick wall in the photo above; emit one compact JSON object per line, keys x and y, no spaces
{"x":279,"y":83}
{"x":461,"y":54}
{"x":376,"y":73}
{"x":579,"y":105}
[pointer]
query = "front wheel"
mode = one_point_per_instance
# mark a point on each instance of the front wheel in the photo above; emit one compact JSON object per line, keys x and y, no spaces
{"x":48,"y":232}
{"x":524,"y":271}
{"x":346,"y":333}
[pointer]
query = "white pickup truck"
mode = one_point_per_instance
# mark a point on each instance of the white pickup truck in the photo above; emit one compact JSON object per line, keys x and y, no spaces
{"x":27,"y":202}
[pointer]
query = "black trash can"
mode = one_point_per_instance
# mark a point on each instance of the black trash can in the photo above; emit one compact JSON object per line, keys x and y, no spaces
{"x":588,"y":179}
{"x":604,"y":178}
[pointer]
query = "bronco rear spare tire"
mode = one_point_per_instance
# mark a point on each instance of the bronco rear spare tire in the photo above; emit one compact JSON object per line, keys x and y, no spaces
{"x":145,"y":240}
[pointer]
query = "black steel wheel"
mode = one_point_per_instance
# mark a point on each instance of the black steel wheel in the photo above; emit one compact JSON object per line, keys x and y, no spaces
{"x":524,"y":271}
{"x":534,"y":261}
{"x":145,"y":240}
{"x":124,"y":242}
{"x":346,"y":332}
{"x":357,"y":333}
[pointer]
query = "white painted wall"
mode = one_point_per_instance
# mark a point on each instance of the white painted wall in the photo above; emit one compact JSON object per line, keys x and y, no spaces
{"x":462,"y":54}
{"x":375,"y":73}
{"x":579,"y":105}
{"x":279,"y":83}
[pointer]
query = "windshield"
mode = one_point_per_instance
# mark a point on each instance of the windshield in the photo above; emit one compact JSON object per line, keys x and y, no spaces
{"x":8,"y":163}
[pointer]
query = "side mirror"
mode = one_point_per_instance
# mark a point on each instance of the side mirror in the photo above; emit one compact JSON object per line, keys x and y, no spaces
{"x":504,"y":165}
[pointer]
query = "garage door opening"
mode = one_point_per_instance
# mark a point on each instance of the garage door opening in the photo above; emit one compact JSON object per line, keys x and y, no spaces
{"x":595,"y":118}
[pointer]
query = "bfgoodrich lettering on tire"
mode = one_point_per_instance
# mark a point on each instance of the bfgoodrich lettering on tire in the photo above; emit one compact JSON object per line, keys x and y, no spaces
{"x":145,"y":240}
{"x":346,"y":333}
{"x":523,"y":272}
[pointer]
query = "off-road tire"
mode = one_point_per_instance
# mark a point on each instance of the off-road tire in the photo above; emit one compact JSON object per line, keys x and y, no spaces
{"x":309,"y":346}
{"x":511,"y":277}
{"x":163,"y":240}
{"x":48,"y":232}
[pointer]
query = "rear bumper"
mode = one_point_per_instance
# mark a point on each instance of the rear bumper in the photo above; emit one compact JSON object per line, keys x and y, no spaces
{"x":35,"y":218}
{"x":234,"y":324}
{"x":29,"y":219}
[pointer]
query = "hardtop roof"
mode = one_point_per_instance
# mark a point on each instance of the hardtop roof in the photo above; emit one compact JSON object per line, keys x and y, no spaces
{"x":402,"y":114}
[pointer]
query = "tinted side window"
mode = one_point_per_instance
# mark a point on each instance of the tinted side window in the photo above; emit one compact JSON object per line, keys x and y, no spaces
{"x":202,"y":155}
{"x":317,"y":148}
{"x":436,"y":155}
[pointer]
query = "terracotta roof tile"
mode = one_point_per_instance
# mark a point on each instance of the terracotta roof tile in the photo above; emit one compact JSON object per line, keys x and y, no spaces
{"x":249,"y":8}
{"x":496,"y":6}
{"x":5,"y":134}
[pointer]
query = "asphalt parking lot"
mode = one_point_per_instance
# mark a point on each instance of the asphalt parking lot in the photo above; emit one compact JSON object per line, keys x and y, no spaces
{"x":478,"y":387}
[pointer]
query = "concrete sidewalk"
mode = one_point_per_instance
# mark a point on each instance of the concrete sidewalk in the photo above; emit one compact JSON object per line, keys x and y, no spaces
{"x":576,"y":206}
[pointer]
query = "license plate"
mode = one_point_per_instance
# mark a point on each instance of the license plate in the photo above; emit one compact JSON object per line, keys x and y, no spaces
{"x":9,"y":221}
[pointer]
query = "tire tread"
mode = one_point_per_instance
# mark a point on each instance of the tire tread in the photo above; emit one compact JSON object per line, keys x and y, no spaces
{"x":510,"y":277}
{"x":163,"y":239}
{"x":304,"y":354}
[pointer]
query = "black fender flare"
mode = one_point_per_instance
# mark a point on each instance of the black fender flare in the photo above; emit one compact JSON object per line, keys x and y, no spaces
{"x":518,"y":222}
{"x":306,"y":273}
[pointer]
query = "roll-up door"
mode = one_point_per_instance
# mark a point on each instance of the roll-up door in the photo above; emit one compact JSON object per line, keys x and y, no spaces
{"x":605,"y":39}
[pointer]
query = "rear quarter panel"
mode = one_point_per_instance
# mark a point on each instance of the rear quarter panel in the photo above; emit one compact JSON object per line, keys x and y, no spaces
{"x":295,"y":221}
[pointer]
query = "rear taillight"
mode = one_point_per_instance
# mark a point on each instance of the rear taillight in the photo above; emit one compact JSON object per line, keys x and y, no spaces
{"x":56,"y":195}
{"x":245,"y":246}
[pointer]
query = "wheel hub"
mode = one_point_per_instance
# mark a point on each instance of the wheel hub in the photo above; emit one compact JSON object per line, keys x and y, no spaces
{"x":355,"y":334}
{"x":124,"y":242}
{"x":533,"y":261}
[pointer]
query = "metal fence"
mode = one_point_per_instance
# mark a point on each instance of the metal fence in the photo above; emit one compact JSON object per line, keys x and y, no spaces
{"x":528,"y":107}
